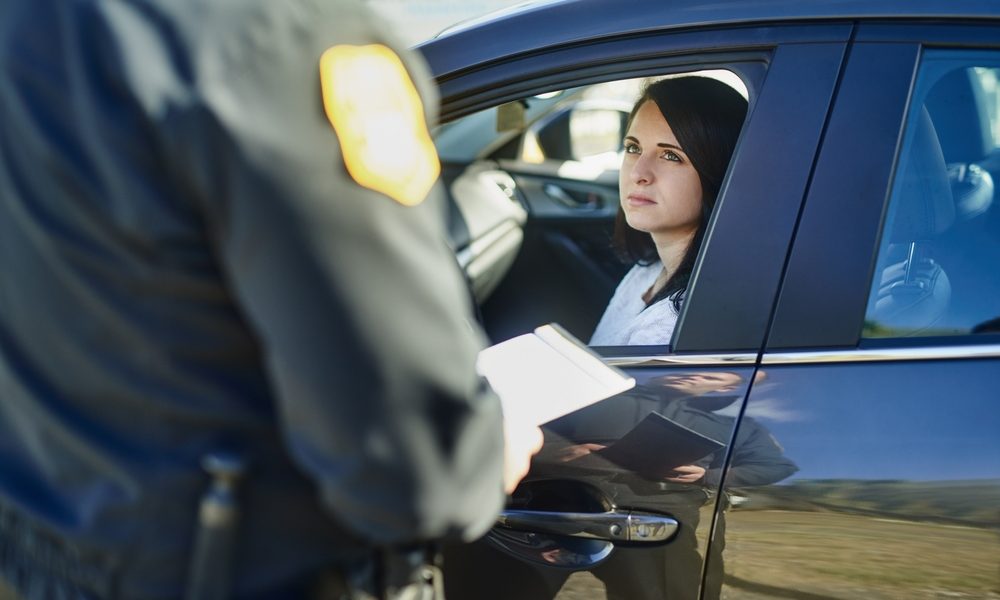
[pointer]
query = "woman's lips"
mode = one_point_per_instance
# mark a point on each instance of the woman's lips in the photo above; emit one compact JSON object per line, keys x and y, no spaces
{"x":639,"y":200}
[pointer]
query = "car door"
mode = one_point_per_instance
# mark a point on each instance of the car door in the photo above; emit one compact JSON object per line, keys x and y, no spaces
{"x":597,"y":529}
{"x":881,"y":367}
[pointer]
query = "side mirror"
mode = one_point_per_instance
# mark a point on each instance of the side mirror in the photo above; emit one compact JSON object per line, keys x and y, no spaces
{"x":580,"y":133}
{"x":511,"y":116}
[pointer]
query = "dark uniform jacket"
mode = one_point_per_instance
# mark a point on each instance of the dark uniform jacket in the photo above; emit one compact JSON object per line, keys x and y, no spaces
{"x":186,"y":266}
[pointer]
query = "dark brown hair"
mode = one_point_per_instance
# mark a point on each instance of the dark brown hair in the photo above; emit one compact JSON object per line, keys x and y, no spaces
{"x":706,"y":116}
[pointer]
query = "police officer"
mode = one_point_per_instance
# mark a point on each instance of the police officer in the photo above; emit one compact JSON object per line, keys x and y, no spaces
{"x":218,"y":239}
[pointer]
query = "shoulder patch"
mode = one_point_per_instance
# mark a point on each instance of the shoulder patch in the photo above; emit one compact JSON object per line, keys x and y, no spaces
{"x":376,"y":111}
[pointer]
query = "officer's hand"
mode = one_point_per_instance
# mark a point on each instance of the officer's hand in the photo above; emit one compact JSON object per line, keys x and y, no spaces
{"x":520,"y":444}
{"x":687,"y":474}
{"x":576,"y":451}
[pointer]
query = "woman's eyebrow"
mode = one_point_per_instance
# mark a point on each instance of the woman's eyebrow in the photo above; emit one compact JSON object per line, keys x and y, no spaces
{"x":659,"y":145}
{"x":671,"y":146}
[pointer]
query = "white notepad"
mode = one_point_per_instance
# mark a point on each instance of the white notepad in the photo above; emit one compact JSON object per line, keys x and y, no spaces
{"x":544,"y":375}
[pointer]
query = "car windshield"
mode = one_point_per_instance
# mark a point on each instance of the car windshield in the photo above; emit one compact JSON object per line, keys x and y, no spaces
{"x":589,"y":111}
{"x":470,"y":137}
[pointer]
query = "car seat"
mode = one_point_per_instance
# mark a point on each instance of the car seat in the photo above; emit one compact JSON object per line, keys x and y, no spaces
{"x":969,"y":251}
{"x":913,"y":291}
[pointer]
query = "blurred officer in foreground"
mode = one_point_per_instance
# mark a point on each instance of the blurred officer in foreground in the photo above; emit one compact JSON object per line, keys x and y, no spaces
{"x":214,"y":242}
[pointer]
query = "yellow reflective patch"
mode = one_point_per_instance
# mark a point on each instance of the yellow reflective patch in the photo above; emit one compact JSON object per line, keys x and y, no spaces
{"x":379,"y":118}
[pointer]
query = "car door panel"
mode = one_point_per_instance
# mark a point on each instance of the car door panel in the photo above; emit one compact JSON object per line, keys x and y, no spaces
{"x":493,"y":221}
{"x":701,"y":391}
{"x":663,"y":525}
{"x":898,"y":484}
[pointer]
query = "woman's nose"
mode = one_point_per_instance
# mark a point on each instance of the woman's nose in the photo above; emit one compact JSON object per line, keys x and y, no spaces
{"x":642,"y":171}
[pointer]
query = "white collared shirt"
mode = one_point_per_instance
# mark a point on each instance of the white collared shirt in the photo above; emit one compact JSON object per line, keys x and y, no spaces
{"x":627,"y":321}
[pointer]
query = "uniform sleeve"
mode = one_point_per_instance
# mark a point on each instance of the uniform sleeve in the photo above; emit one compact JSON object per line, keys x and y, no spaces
{"x":361,"y":312}
{"x":757,"y":459}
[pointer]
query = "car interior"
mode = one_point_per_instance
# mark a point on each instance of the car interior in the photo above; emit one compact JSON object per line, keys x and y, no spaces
{"x":914,"y":292}
{"x":533,"y":193}
{"x":961,"y":109}
{"x":937,"y":267}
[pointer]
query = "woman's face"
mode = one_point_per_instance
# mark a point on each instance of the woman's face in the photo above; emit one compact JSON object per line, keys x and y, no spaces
{"x":660,"y":189}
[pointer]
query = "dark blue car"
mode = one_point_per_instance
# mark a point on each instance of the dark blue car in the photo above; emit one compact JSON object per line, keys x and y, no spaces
{"x":835,"y":369}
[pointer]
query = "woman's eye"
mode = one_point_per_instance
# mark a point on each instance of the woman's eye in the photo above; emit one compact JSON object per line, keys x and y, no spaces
{"x":632,"y":148}
{"x":671,"y":155}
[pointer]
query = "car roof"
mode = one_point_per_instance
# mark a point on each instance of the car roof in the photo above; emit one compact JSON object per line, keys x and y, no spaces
{"x":533,"y":26}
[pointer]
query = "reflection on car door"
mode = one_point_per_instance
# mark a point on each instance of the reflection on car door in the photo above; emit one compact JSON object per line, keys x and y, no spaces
{"x":884,"y":397}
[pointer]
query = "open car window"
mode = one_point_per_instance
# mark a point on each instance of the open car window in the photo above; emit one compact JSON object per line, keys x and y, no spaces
{"x":533,"y":187}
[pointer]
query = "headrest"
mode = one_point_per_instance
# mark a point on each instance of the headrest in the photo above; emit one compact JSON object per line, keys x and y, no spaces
{"x":924,"y":205}
{"x":956,"y":103}
{"x":972,"y":187}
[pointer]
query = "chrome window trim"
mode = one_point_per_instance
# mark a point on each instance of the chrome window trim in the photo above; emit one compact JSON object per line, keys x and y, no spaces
{"x":882,"y":355}
{"x":810,"y":356}
{"x":681,"y":360}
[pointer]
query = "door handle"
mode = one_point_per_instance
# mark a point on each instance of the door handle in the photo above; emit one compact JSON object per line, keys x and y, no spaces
{"x":589,"y":202}
{"x":612,"y":526}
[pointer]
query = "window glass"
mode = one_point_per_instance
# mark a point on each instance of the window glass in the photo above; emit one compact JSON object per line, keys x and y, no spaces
{"x":938,"y":267}
{"x":989,"y":80}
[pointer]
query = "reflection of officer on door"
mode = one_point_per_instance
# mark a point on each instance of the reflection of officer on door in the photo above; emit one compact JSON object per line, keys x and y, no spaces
{"x":214,"y":243}
{"x":704,"y":402}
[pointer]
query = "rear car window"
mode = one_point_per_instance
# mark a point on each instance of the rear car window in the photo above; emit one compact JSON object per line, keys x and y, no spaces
{"x":938,"y":266}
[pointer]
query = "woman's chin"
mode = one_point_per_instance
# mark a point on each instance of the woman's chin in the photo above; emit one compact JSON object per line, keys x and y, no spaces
{"x":638,"y":223}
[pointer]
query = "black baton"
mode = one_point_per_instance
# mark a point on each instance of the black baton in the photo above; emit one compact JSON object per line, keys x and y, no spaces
{"x":211,"y":570}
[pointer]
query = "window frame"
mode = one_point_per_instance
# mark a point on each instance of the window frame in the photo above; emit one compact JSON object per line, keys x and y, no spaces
{"x":765,"y":187}
{"x":870,"y":120}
